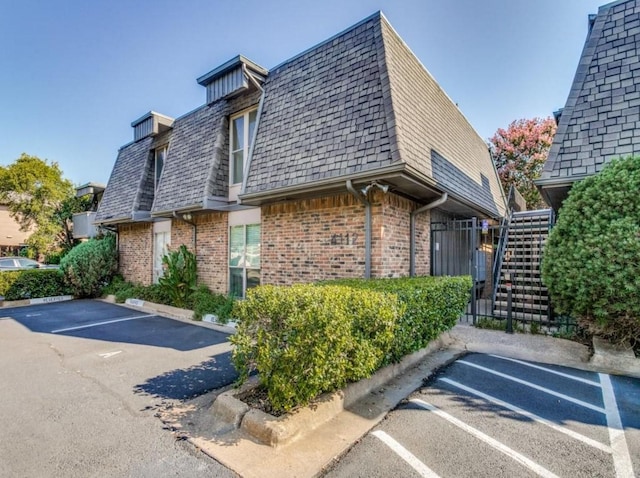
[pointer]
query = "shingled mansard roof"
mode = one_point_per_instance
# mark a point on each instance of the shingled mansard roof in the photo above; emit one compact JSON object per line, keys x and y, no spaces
{"x":359,"y":106}
{"x":601,"y":119}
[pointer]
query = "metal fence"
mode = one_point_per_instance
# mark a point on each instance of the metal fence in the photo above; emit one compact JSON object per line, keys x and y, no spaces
{"x":503,"y":259}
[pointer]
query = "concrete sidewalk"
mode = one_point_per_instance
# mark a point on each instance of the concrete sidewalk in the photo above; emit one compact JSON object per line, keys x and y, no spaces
{"x":309,"y":455}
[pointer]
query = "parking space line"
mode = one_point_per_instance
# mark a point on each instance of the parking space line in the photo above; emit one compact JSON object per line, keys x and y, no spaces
{"x":97,"y":324}
{"x":523,"y":460}
{"x":528,"y":414}
{"x":555,"y":372}
{"x":537,"y":387}
{"x":422,"y":469}
{"x":621,"y":457}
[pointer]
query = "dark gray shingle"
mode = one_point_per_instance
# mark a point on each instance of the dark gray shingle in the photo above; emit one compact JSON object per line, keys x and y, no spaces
{"x":601,"y":119}
{"x":122,"y":195}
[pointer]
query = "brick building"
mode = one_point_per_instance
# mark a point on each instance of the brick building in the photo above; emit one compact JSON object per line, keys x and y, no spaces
{"x":601,"y":119}
{"x":331,"y":164}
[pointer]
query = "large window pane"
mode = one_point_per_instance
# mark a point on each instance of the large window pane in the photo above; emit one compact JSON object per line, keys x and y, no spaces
{"x":252,"y":125}
{"x":236,"y":246}
{"x":253,"y":278}
{"x":235,"y":282}
{"x":237,"y":141}
{"x":253,"y":246}
{"x":238,"y":166}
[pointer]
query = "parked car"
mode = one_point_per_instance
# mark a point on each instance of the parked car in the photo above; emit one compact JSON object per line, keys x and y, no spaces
{"x":22,"y":263}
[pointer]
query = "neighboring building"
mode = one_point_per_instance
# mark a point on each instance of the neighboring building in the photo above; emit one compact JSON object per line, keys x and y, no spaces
{"x":83,"y":222}
{"x":601,"y":119}
{"x":315,"y":169}
{"x":12,"y":239}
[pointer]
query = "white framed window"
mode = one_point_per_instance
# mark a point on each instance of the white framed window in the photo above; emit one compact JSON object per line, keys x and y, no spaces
{"x":240,"y":134}
{"x":244,"y":258}
{"x":158,"y":164}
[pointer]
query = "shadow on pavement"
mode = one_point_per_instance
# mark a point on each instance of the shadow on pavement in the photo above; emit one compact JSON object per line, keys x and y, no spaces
{"x":182,"y":384}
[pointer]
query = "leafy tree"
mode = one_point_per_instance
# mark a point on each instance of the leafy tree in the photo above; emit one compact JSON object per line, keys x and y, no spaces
{"x":38,"y":197}
{"x":519,"y":153}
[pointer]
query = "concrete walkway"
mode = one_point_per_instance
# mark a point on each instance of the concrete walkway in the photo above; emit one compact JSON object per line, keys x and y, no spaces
{"x":309,"y":455}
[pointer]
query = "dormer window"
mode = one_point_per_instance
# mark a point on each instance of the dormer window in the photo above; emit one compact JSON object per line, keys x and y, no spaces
{"x":241,"y":134}
{"x":158,"y":164}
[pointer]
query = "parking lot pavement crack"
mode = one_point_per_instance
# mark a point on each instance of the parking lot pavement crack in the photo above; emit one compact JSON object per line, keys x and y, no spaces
{"x":93,"y":380}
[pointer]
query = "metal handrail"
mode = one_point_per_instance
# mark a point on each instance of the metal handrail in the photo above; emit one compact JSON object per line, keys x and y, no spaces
{"x":497,"y":264}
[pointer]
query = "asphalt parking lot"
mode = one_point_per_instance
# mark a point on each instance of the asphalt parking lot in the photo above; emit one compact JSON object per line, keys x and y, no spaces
{"x":490,"y":416}
{"x":81,"y":384}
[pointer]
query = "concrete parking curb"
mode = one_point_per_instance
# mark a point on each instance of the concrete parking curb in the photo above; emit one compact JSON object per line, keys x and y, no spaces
{"x":183,"y":315}
{"x":230,"y":412}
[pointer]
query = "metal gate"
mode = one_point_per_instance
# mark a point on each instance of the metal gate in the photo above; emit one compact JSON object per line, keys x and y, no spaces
{"x":468,"y":247}
{"x":503,"y":260}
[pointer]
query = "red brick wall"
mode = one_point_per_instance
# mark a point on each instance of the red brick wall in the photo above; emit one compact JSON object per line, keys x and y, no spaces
{"x":391,"y":237}
{"x":312,"y":239}
{"x":135,"y":248}
{"x":317,"y":239}
{"x":302,"y":241}
{"x":211,"y":248}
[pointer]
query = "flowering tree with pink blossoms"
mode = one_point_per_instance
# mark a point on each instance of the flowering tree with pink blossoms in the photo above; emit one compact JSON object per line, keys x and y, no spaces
{"x":519,"y":153}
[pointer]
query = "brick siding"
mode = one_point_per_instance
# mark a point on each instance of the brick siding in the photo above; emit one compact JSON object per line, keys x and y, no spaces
{"x":135,"y":249}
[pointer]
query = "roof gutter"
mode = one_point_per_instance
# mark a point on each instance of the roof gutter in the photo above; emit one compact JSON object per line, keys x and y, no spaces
{"x":412,"y":225}
{"x":367,"y":227}
{"x":324,"y":184}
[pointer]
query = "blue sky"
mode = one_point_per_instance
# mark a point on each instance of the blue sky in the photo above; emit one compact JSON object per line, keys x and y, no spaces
{"x":75,"y":73}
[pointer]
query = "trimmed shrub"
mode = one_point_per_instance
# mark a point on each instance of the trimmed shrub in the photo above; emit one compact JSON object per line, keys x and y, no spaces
{"x":180,"y":276}
{"x":432,"y":305}
{"x":35,"y":283}
{"x":305,"y":340}
{"x":7,"y":278}
{"x":90,"y":265}
{"x":206,"y":302}
{"x":591,"y":260}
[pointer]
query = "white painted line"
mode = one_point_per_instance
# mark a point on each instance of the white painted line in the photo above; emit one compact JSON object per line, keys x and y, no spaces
{"x":532,"y":416}
{"x":107,"y":355}
{"x":537,"y":387}
{"x":621,"y":457}
{"x":523,"y":460}
{"x":422,"y":469}
{"x":33,"y":315}
{"x":106,"y":322}
{"x":555,"y":372}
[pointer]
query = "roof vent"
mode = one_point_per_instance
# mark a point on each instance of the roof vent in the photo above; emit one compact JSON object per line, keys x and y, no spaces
{"x":232,"y":78}
{"x":150,"y":124}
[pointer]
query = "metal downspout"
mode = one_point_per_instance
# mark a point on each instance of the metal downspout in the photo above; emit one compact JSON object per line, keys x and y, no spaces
{"x":194,"y":230}
{"x":412,"y":252}
{"x":367,"y":228}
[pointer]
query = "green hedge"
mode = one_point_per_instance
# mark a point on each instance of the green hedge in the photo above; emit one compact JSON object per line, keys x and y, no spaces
{"x":32,"y":284}
{"x":432,"y":306}
{"x":305,"y":340}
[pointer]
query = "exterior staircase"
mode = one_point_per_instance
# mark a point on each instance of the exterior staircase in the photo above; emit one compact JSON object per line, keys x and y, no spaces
{"x":520,"y":255}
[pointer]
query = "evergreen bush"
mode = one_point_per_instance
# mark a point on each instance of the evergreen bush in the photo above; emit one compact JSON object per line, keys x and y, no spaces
{"x":305,"y":340}
{"x":90,"y":265}
{"x":432,"y":305}
{"x":591,"y":262}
